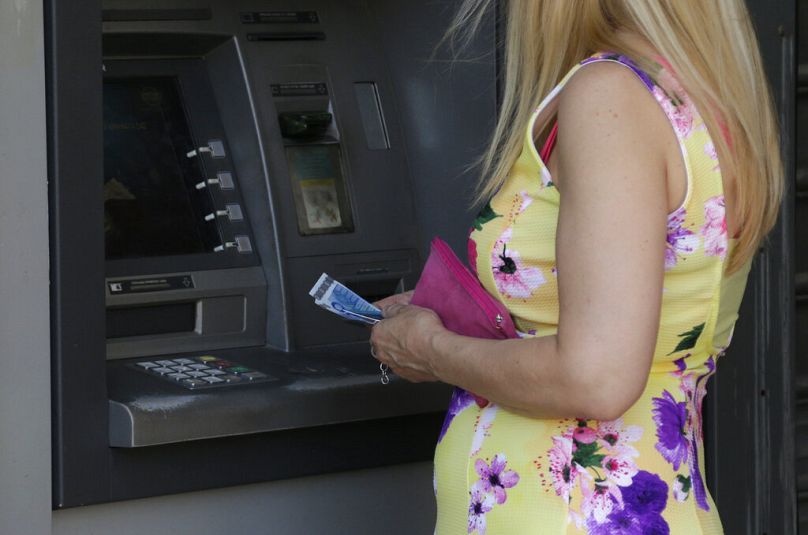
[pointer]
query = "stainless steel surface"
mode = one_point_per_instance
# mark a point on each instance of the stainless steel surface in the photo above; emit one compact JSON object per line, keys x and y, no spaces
{"x":313,"y":390}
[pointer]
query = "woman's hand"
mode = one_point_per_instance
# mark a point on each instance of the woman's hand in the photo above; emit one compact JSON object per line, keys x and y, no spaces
{"x":403,"y":340}
{"x":397,"y":299}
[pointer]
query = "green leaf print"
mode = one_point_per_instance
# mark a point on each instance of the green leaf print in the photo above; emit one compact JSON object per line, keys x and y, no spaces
{"x":587,"y":455}
{"x":685,"y":482}
{"x":689,"y":339}
{"x":485,"y":215}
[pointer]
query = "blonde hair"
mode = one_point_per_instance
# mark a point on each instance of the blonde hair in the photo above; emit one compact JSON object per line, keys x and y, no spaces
{"x":710,"y":45}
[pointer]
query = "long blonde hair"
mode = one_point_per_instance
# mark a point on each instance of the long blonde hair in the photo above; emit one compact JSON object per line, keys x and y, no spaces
{"x":709,"y":44}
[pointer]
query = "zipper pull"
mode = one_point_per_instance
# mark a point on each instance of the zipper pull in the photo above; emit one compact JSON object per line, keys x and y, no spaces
{"x":499,"y":321}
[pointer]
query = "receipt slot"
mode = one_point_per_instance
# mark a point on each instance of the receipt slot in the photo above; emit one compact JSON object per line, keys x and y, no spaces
{"x":208,"y":162}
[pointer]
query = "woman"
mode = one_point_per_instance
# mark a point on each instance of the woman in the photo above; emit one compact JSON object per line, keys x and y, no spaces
{"x":622,"y":256}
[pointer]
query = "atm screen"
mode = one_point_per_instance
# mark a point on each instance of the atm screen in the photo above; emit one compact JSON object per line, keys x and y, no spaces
{"x":151,"y":204}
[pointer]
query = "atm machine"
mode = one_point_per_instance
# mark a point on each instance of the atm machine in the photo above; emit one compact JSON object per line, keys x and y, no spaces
{"x":208,"y":161}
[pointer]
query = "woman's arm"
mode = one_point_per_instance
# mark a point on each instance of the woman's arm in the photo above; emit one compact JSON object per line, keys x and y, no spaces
{"x":612,"y":147}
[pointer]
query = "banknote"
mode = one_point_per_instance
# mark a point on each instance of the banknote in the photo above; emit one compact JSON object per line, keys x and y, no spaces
{"x":335,"y":297}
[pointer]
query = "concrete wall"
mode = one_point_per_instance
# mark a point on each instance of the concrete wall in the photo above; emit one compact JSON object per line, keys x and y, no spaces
{"x":25,"y":480}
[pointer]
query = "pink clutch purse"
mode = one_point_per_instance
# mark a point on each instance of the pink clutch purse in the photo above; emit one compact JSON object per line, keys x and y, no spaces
{"x":450,"y":289}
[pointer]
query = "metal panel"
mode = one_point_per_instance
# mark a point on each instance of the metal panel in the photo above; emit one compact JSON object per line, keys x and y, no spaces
{"x":75,"y":156}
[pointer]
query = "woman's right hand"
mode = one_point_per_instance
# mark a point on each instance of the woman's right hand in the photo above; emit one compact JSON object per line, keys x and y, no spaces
{"x":397,"y":299}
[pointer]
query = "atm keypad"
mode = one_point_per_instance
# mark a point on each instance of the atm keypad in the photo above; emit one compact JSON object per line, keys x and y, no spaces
{"x":202,"y":372}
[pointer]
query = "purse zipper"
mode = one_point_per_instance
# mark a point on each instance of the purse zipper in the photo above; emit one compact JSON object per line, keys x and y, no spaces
{"x":468,"y":281}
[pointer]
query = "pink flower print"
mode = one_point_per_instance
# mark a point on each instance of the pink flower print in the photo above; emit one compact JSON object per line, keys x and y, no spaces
{"x":614,"y":437}
{"x":599,"y":500}
{"x":680,"y":240}
{"x":709,"y":150}
{"x":620,"y":469}
{"x":512,"y":279}
{"x":677,"y":104}
{"x":715,"y":227}
{"x":585,"y":435}
{"x":562,"y":470}
{"x":495,"y":479}
{"x":527,"y":200}
{"x":679,"y":113}
{"x":480,"y":504}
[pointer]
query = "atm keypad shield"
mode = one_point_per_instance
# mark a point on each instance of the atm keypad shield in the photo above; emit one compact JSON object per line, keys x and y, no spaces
{"x":206,"y":371}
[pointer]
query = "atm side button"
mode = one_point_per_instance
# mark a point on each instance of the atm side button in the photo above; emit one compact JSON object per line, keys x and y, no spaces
{"x":213,"y":380}
{"x":193,"y":383}
{"x":253,"y":376}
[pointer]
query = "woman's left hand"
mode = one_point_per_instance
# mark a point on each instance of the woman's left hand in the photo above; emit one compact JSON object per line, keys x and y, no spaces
{"x":402,"y":340}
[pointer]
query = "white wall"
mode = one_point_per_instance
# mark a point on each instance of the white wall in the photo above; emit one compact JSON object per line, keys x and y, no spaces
{"x":25,"y":483}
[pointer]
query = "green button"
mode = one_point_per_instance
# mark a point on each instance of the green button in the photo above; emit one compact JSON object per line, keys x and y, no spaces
{"x":238,"y":369}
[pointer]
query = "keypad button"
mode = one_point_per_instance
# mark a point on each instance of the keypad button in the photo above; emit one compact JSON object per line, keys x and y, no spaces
{"x":238,"y":369}
{"x":166,"y":363}
{"x":254,"y":376}
{"x":215,"y":372}
{"x":231,"y":378}
{"x":161,"y":371}
{"x":213,"y":380}
{"x":207,"y":358}
{"x":178,"y":376}
{"x":193,"y":383}
{"x":184,"y":361}
{"x":221,"y":363}
{"x":148,"y":365}
{"x":199,"y":366}
{"x":197,"y":374}
{"x":181,"y":368}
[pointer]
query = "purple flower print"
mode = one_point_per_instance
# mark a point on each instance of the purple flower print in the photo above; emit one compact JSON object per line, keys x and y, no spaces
{"x":647,"y":80}
{"x":680,"y":240}
{"x":679,"y":432}
{"x":495,"y":479}
{"x":641,"y":512}
{"x":619,"y":522}
{"x":715,"y":227}
{"x":647,"y":494}
{"x":460,"y":400}
{"x":480,"y":504}
{"x":670,"y":417}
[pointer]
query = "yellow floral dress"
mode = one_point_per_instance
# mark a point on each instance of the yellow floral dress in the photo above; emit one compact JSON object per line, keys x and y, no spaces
{"x":505,"y":474}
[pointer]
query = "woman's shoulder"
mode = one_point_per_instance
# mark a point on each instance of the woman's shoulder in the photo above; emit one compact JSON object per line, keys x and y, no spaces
{"x":609,"y":95}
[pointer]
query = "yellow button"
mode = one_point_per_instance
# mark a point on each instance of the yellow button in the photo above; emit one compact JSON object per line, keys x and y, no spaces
{"x":208,"y":358}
